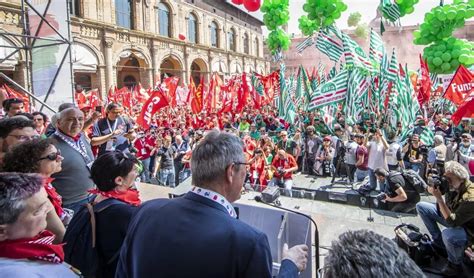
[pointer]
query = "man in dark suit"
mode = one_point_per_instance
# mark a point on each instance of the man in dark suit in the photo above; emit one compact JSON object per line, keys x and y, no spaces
{"x":198,"y":235}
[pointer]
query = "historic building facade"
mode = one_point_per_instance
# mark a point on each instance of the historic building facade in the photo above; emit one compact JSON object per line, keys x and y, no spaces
{"x":126,"y":42}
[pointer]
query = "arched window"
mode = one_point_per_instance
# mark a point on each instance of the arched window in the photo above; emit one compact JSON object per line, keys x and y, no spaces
{"x":164,"y":20}
{"x":231,"y":39}
{"x":192,"y":28}
{"x":123,"y":13}
{"x":246,"y":43}
{"x":256,"y":47}
{"x":214,"y":34}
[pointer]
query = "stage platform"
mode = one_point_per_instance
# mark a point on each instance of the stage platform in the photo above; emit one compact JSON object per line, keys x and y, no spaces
{"x":321,"y":189}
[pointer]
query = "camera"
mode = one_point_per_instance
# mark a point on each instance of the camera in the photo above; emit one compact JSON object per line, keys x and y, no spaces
{"x":381,"y":197}
{"x":280,"y":171}
{"x":437,"y":181}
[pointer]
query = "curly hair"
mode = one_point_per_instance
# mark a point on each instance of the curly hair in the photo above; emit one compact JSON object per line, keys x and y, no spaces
{"x":456,"y":169}
{"x":24,"y":158}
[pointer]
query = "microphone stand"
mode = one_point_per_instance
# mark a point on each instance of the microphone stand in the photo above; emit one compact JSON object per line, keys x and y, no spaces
{"x":259,"y":199}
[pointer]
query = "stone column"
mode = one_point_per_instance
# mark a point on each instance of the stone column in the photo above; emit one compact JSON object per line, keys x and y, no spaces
{"x":109,"y":67}
{"x":155,"y":63}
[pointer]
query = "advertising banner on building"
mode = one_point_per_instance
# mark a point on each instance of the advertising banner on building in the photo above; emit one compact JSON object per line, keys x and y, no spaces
{"x":51,"y":70}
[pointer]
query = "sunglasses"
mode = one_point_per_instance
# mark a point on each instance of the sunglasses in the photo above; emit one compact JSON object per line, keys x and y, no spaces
{"x":52,"y":156}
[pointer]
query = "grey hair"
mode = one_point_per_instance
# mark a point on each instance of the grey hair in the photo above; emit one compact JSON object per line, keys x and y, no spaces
{"x":15,"y":189}
{"x":364,"y":253}
{"x":63,"y":113}
{"x":438,"y":140}
{"x":456,"y":169}
{"x":213,"y":154}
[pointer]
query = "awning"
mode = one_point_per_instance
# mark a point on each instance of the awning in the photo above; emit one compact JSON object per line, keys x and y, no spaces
{"x":6,"y":48}
{"x":83,"y":59}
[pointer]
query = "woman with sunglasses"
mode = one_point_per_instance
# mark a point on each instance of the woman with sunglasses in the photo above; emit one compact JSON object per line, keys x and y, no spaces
{"x":117,"y":199}
{"x":41,"y":156}
{"x":41,"y":121}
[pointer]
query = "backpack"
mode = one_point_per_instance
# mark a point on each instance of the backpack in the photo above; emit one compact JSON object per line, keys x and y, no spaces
{"x":414,"y":180}
{"x":417,"y":245}
{"x":80,"y":249}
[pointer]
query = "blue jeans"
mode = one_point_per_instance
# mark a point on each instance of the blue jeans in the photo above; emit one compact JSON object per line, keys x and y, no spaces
{"x":414,"y":166}
{"x":145,"y":176}
{"x":77,"y":205}
{"x":167,"y":177}
{"x":361,"y":174}
{"x":454,"y":239}
{"x":373,"y":179}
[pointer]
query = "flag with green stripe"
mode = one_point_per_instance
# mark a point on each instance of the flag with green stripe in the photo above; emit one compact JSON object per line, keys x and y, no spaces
{"x":328,"y":45}
{"x":390,"y":10}
{"x":391,"y":72}
{"x":333,"y":91}
{"x":354,"y":55}
{"x":357,"y":92}
{"x":376,"y":48}
{"x":427,"y":136}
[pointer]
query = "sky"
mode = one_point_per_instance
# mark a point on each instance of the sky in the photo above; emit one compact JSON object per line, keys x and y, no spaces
{"x":367,"y":8}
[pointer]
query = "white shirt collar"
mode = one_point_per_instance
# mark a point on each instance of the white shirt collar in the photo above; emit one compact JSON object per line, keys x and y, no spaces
{"x":215,"y":197}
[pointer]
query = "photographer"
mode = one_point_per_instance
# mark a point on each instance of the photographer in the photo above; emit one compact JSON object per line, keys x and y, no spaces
{"x":283,"y":166}
{"x":455,"y":211}
{"x":413,"y":156}
{"x":396,"y":190}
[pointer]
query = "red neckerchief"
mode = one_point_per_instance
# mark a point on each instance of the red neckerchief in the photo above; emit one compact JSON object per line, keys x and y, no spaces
{"x":130,"y":196}
{"x":40,"y":247}
{"x":54,"y":197}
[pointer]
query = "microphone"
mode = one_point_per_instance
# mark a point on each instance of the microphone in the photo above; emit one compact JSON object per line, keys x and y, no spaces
{"x":259,"y":199}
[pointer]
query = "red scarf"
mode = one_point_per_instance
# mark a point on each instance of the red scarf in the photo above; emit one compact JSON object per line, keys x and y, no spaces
{"x":54,"y":197}
{"x":40,"y":247}
{"x":130,"y":196}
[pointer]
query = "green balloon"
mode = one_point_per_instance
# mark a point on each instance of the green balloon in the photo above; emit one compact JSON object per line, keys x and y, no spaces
{"x":446,"y":57}
{"x":451,"y":15}
{"x":441,"y":16}
{"x":464,"y":58}
{"x":437,"y":61}
{"x":446,"y":67}
{"x":454,"y":64}
{"x":438,"y":54}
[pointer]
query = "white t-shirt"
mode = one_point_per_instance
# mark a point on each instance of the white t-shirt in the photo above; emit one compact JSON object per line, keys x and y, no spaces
{"x":11,"y":268}
{"x":376,"y":156}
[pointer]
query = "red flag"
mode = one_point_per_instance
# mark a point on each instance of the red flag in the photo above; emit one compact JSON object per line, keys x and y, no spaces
{"x":425,"y":83}
{"x":244,"y":93}
{"x":461,"y":86}
{"x":168,"y":87}
{"x":214,"y":91}
{"x":11,"y":93}
{"x":401,"y":70}
{"x":112,"y":93}
{"x":466,"y":110}
{"x":81,"y":99}
{"x":93,"y":98}
{"x":153,"y":104}
{"x":197,"y":97}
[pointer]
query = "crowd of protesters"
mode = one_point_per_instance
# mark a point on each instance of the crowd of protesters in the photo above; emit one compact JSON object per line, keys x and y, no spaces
{"x":81,"y":153}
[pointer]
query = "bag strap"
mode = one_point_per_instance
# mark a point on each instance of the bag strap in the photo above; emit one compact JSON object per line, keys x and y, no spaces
{"x":90,"y":208}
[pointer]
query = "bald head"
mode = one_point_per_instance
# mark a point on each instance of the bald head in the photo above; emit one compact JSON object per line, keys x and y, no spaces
{"x":71,"y":121}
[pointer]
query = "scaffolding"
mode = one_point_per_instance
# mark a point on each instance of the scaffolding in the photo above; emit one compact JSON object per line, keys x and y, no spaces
{"x":31,"y":42}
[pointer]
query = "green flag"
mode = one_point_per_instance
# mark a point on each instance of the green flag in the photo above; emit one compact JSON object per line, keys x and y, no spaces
{"x":333,"y":91}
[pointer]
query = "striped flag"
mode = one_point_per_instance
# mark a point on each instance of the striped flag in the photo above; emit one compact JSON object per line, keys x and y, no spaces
{"x":333,"y":29}
{"x":391,"y":73}
{"x":354,"y":55}
{"x":376,"y":48}
{"x":357,"y":93}
{"x":390,"y":10}
{"x":329,"y":46}
{"x":321,"y":73}
{"x":283,"y":90}
{"x":427,"y":136}
{"x":304,"y":44}
{"x":333,"y":91}
{"x":332,"y":72}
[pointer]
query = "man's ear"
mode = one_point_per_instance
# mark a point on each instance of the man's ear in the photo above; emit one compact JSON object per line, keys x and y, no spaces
{"x":3,"y":232}
{"x":229,"y":173}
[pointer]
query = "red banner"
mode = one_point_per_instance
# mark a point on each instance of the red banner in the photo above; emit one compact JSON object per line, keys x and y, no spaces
{"x":461,"y":86}
{"x":425,"y":83}
{"x":466,"y":110}
{"x":168,"y":87}
{"x":14,"y":94}
{"x":153,"y":104}
{"x":197,"y":97}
